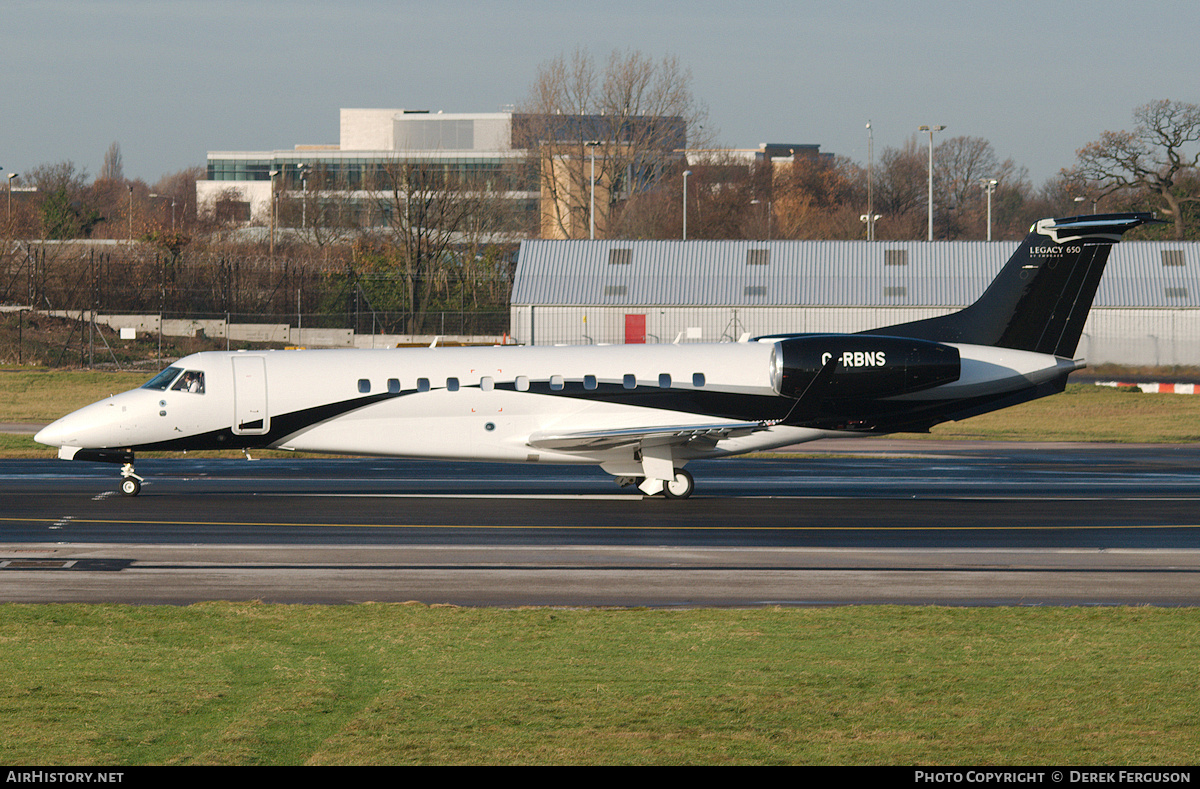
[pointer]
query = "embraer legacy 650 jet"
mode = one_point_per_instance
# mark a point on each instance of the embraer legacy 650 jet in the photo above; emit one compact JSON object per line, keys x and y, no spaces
{"x":640,"y":412}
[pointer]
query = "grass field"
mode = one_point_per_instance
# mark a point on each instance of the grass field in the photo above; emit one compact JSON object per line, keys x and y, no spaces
{"x":228,"y":683}
{"x":234,"y":683}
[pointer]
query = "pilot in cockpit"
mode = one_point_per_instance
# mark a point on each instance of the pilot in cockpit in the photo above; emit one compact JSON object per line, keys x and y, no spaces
{"x":191,"y":381}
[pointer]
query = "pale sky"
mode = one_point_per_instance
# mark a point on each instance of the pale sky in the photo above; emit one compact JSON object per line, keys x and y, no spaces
{"x":170,"y":80}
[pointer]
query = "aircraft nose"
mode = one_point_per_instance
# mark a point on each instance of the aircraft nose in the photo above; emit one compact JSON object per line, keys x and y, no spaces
{"x":95,"y":425}
{"x":58,"y":433}
{"x":52,"y":434}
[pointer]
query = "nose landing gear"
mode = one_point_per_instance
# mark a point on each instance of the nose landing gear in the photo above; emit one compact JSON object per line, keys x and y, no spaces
{"x":131,"y":483}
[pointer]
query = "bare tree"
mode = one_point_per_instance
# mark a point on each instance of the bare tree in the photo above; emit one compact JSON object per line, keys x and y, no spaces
{"x":177,"y":191}
{"x":112,"y":169}
{"x":433,"y":214}
{"x":818,"y":197}
{"x":1158,"y":157}
{"x":638,"y":114}
{"x":324,"y":207}
{"x":63,"y":202}
{"x":961,"y":164}
{"x":900,"y":185}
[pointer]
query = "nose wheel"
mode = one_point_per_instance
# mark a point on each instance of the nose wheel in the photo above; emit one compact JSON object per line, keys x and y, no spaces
{"x":131,"y":483}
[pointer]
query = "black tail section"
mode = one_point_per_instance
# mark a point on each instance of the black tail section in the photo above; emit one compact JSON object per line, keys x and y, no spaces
{"x":1042,"y":296}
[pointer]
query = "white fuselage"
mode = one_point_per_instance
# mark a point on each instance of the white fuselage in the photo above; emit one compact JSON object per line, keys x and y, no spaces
{"x":482,"y":403}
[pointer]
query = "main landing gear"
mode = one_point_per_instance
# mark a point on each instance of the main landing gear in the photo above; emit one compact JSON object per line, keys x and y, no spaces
{"x":131,"y":483}
{"x":681,"y":487}
{"x":678,"y":488}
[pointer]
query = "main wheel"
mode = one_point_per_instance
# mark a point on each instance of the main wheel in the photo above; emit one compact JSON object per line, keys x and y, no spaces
{"x":681,"y":487}
{"x":130,"y":486}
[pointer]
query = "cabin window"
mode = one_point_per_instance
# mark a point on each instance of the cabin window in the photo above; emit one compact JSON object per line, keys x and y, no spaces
{"x":451,"y":384}
{"x":486,"y":383}
{"x":664,"y":381}
{"x":393,"y":386}
{"x":522,"y":383}
{"x":629,"y":381}
{"x":556,"y":382}
{"x":422,"y":384}
{"x":163,"y":379}
{"x":698,"y":380}
{"x":364,"y":386}
{"x":191,"y":381}
{"x":589,"y":382}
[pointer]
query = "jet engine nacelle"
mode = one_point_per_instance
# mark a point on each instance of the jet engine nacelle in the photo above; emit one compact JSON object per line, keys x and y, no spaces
{"x":864,"y":366}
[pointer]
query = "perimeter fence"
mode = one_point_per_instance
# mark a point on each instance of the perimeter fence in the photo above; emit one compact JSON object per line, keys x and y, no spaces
{"x":309,"y":289}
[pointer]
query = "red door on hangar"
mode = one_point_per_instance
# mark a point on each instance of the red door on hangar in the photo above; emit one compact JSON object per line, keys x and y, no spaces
{"x":635,"y":329}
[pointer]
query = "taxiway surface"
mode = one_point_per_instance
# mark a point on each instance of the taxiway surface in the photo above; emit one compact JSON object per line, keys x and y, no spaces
{"x":916,"y":522}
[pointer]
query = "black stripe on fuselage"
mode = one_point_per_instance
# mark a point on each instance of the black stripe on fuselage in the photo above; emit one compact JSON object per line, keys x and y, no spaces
{"x":702,"y":402}
{"x":861,"y":415}
{"x":282,"y":426}
{"x":722,"y":405}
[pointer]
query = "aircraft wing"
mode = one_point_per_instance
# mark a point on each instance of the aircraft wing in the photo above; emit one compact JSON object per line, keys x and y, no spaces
{"x":591,"y":440}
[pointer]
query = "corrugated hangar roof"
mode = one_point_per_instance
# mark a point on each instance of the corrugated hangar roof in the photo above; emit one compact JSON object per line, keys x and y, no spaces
{"x":822,"y":273}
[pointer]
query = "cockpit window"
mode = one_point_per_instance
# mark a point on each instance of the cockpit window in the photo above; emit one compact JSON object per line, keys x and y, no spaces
{"x":191,"y":381}
{"x":163,"y":379}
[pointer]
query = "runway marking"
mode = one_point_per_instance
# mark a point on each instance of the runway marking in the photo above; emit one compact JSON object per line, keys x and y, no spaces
{"x":567,"y":527}
{"x":534,"y":496}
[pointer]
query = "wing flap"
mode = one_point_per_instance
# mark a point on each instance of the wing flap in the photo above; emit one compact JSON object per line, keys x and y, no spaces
{"x":592,"y":440}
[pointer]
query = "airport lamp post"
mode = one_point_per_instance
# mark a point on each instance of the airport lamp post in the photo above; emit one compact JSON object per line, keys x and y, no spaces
{"x":870,"y":190}
{"x":767,"y":214}
{"x":930,"y":130}
{"x":686,"y":173}
{"x":989,"y":186}
{"x":271,"y":206}
{"x":303,"y":196}
{"x":592,"y":210}
{"x":10,"y":177}
{"x":154,"y":196}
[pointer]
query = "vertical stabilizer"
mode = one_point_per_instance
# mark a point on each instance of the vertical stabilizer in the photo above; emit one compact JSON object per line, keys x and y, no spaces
{"x":1042,"y":296}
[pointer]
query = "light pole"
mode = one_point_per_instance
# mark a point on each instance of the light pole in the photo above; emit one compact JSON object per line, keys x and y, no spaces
{"x":592,"y":210}
{"x":10,"y":177}
{"x":154,"y":196}
{"x":989,"y":186}
{"x":130,"y":213}
{"x":1094,"y":201}
{"x":766,"y":216}
{"x":930,"y":130}
{"x":686,"y":173}
{"x":870,"y":185}
{"x":303,"y":196}
{"x":272,"y":173}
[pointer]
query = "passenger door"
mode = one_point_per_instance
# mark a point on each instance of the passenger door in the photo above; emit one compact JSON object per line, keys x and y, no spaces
{"x":250,"y":415}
